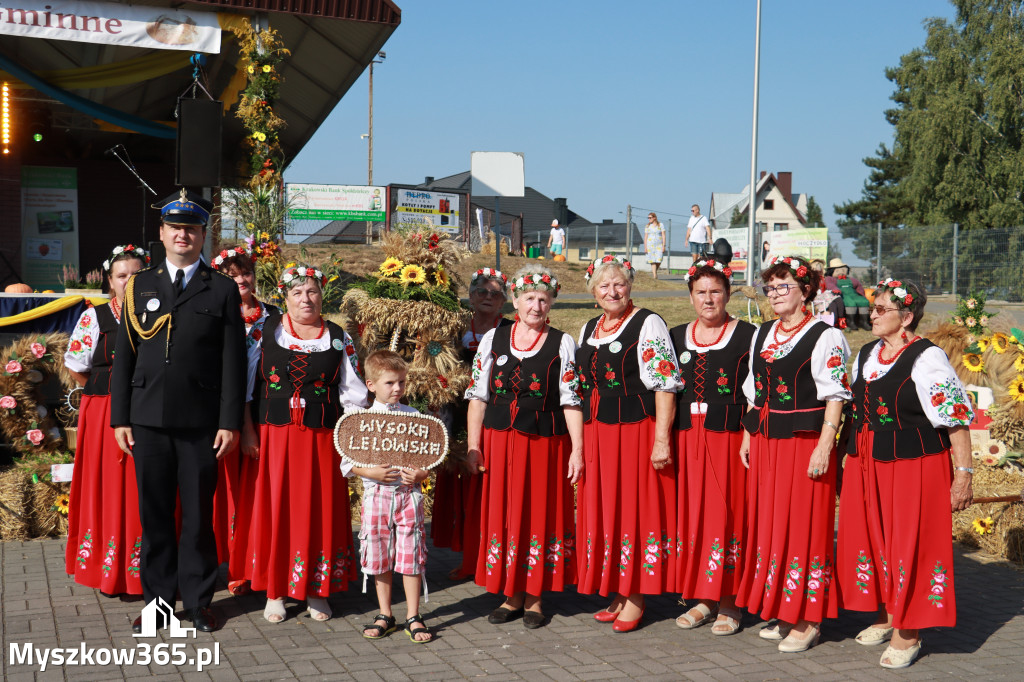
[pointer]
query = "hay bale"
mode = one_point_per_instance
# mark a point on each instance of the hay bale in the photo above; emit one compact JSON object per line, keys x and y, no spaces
{"x":46,"y":521}
{"x":15,"y":518}
{"x":1007,"y":538}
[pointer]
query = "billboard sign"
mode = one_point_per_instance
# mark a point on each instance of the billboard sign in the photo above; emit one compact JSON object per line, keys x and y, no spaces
{"x":335,"y":202}
{"x":439,"y":210}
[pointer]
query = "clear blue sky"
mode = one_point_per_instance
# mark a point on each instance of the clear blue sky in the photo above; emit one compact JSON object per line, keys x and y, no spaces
{"x":615,"y":103}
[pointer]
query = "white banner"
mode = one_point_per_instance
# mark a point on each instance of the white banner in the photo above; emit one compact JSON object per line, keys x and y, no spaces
{"x":335,"y":202}
{"x":49,"y":228}
{"x":158,"y":28}
{"x":439,"y":209}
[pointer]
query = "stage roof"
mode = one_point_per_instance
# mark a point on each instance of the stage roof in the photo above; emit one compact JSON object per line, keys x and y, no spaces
{"x":331,"y":41}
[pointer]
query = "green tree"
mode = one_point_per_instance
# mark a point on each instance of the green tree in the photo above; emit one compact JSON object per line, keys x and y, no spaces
{"x":739,"y":218}
{"x":814,"y":217}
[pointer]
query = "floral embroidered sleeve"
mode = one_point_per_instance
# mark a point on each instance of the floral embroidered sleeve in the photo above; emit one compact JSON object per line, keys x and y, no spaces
{"x":828,"y":366}
{"x":569,"y":384}
{"x":352,"y":389}
{"x":658,"y":364}
{"x":942,"y":396}
{"x":78,"y":357}
{"x":481,"y":371}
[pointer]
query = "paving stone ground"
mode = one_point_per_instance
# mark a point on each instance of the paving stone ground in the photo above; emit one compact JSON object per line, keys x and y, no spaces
{"x":42,"y":606}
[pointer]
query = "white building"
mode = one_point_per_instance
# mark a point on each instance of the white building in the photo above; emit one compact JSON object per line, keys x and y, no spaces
{"x":777,"y":207}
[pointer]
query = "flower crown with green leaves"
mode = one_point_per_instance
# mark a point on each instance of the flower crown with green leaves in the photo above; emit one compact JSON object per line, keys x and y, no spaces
{"x":131,"y":249}
{"x":798,"y":268}
{"x":488,"y":273}
{"x":608,"y":258}
{"x":898,"y":292}
{"x":289,"y":275}
{"x":535,"y":282}
{"x":717,"y":265}
{"x":229,"y":253}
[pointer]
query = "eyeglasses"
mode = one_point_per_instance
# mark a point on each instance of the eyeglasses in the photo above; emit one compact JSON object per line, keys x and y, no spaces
{"x":882,"y":310}
{"x":487,"y":293}
{"x":781,"y":289}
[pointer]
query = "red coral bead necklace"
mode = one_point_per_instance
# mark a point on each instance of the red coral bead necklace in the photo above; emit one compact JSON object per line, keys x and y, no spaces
{"x":615,"y":327}
{"x":291,"y":329}
{"x":532,"y":345}
{"x":721,"y":334}
{"x":792,"y":331}
{"x":254,"y":316}
{"x":891,"y":360}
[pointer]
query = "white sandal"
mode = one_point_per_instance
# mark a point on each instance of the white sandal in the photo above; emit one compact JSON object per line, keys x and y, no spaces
{"x":318,"y":608}
{"x":899,"y":658}
{"x":729,"y":620}
{"x":688,"y":622}
{"x":274,"y":611}
{"x":870,"y":636}
{"x":775,"y":633}
{"x":792,"y":645}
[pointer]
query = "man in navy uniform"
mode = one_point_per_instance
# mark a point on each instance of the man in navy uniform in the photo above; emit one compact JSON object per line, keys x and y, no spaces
{"x":177,"y":395}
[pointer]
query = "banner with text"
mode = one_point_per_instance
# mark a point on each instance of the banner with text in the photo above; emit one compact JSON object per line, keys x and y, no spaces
{"x":439,"y":210}
{"x":49,"y":229}
{"x":808,"y":243}
{"x":335,"y":202}
{"x":159,"y":28}
{"x":737,"y":238}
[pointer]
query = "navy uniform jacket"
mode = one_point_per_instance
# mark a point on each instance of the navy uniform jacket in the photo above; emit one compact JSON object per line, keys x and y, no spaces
{"x":196,"y":378}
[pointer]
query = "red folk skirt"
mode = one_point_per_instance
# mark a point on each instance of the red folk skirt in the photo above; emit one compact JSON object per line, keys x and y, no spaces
{"x":625,"y":522}
{"x":895,"y":538}
{"x":224,"y":502}
{"x":527,"y":516}
{"x":300,"y":539}
{"x":455,"y":515}
{"x":711,"y":491}
{"x":242,"y":493}
{"x":104,"y":532}
{"x":787,"y":563}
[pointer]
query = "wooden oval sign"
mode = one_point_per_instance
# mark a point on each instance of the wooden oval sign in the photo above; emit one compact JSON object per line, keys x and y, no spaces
{"x":370,"y":438}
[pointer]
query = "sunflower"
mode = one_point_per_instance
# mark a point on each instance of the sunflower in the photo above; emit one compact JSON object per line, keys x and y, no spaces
{"x":391,"y":266}
{"x":61,"y":503}
{"x":413,"y":274}
{"x":973,"y":362}
{"x":1016,"y":389}
{"x":441,"y":278}
{"x":426,"y":486}
{"x":1018,"y":363}
{"x":1000,"y":342}
{"x":983,"y":526}
{"x":983,"y":345}
{"x":990,"y":460}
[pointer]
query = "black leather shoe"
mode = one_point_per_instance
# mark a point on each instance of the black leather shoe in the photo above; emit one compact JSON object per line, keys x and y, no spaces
{"x":137,"y":625}
{"x":203,"y":619}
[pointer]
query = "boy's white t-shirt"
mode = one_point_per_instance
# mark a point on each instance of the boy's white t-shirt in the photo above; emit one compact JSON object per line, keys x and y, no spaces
{"x":557,"y":236}
{"x":347,"y":466}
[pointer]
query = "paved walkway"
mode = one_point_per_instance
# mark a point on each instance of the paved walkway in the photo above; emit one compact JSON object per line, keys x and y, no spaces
{"x":42,"y":606}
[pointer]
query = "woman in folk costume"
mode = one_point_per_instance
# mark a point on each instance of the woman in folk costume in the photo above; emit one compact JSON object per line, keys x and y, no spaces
{"x":910,"y":415}
{"x":104,"y":532}
{"x":455,"y":519}
{"x":236,"y":474}
{"x":525,"y":430}
{"x":626,"y":526}
{"x":303,"y":375}
{"x":796,"y":388}
{"x":713,"y":353}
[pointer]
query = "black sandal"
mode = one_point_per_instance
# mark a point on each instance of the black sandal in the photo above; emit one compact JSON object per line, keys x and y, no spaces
{"x":409,"y":631}
{"x":382,"y":630}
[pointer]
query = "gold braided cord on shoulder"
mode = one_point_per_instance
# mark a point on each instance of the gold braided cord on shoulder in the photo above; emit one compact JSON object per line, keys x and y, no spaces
{"x":129,"y":307}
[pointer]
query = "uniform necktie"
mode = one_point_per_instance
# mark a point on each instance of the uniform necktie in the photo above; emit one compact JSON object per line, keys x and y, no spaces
{"x":179,"y":282}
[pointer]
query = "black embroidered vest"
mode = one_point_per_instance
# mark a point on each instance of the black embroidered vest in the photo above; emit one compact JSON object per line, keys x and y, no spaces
{"x":714,"y":377}
{"x":103,"y":353}
{"x":893,"y":410}
{"x":314,"y":377}
{"x":614,"y":376}
{"x":524,"y":393}
{"x":786,"y":398}
{"x":467,"y":354}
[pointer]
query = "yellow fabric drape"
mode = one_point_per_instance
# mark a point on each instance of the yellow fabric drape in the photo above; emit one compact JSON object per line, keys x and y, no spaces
{"x":54,"y":306}
{"x":125,"y":72}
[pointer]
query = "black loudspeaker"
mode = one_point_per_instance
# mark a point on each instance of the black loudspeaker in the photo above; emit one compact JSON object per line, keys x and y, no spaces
{"x":197,"y":158}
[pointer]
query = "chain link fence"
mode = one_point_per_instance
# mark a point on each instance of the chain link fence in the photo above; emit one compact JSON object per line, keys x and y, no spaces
{"x":946,"y":259}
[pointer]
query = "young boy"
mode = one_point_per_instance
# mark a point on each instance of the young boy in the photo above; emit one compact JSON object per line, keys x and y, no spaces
{"x":392,"y":536}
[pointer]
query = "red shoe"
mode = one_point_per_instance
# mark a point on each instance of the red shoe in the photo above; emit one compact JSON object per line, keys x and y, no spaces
{"x":605,"y":616}
{"x":627,"y":625}
{"x":239,"y":587}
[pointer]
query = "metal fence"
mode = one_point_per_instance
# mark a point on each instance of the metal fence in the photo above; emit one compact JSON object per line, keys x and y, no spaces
{"x":946,"y":259}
